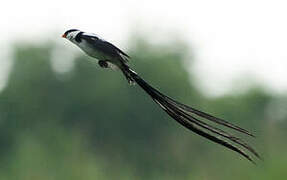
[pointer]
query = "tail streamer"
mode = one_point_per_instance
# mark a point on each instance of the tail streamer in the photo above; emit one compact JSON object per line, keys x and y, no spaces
{"x":185,"y":115}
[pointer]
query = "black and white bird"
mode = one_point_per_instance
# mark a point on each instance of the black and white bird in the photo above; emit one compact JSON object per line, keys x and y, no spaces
{"x":109,"y":56}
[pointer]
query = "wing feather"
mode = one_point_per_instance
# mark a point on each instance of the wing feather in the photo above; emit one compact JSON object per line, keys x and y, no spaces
{"x":106,"y":47}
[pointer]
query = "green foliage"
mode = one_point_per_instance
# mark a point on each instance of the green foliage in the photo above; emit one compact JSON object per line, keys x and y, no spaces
{"x":92,"y":125}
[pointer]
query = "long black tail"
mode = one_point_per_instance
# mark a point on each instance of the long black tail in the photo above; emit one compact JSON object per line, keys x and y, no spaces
{"x":184,"y":115}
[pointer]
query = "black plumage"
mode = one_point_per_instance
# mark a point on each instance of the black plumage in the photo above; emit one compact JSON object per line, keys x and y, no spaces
{"x":104,"y":46}
{"x":183,"y":114}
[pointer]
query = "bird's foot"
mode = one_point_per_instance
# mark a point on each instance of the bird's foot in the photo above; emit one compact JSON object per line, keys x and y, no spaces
{"x":103,"y":64}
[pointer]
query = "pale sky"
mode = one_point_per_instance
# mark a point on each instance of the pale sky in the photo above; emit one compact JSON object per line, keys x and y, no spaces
{"x":230,"y":39}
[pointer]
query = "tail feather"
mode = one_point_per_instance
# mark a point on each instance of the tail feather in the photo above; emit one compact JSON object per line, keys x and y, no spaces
{"x":200,"y":132}
{"x":210,"y":117}
{"x":129,"y":78}
{"x":183,"y":115}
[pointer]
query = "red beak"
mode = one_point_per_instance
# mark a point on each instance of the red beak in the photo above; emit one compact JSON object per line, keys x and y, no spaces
{"x":64,"y":36}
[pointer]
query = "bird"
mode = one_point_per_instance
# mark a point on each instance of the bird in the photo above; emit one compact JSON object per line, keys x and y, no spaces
{"x":110,"y":56}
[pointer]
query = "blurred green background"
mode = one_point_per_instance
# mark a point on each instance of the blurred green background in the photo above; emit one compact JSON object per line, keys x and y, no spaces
{"x":88,"y":123}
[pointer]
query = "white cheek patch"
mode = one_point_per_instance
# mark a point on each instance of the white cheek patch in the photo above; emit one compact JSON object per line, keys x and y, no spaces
{"x":72,"y":35}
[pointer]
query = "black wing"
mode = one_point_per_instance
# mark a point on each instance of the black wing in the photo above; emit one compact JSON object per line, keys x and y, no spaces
{"x":105,"y":47}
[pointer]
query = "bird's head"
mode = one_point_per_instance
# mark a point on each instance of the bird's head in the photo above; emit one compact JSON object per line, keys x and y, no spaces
{"x":71,"y":34}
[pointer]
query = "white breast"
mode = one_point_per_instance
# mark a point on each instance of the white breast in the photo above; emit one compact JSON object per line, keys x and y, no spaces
{"x":91,"y":51}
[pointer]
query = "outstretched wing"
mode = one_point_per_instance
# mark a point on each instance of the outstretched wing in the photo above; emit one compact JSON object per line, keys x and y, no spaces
{"x":105,"y":47}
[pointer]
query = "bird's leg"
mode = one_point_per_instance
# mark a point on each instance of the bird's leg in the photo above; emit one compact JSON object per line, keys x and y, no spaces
{"x":103,"y":64}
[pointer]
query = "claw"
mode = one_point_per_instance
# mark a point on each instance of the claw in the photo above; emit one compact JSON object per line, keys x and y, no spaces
{"x":103,"y":64}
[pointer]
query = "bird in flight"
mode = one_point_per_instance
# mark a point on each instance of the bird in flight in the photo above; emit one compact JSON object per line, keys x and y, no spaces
{"x":109,"y":56}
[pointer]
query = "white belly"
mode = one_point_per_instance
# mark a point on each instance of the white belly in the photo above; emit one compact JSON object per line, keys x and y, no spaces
{"x":92,"y":51}
{"x":113,"y":63}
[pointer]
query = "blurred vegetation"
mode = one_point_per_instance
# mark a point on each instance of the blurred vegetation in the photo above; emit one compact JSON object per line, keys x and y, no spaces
{"x":88,"y":123}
